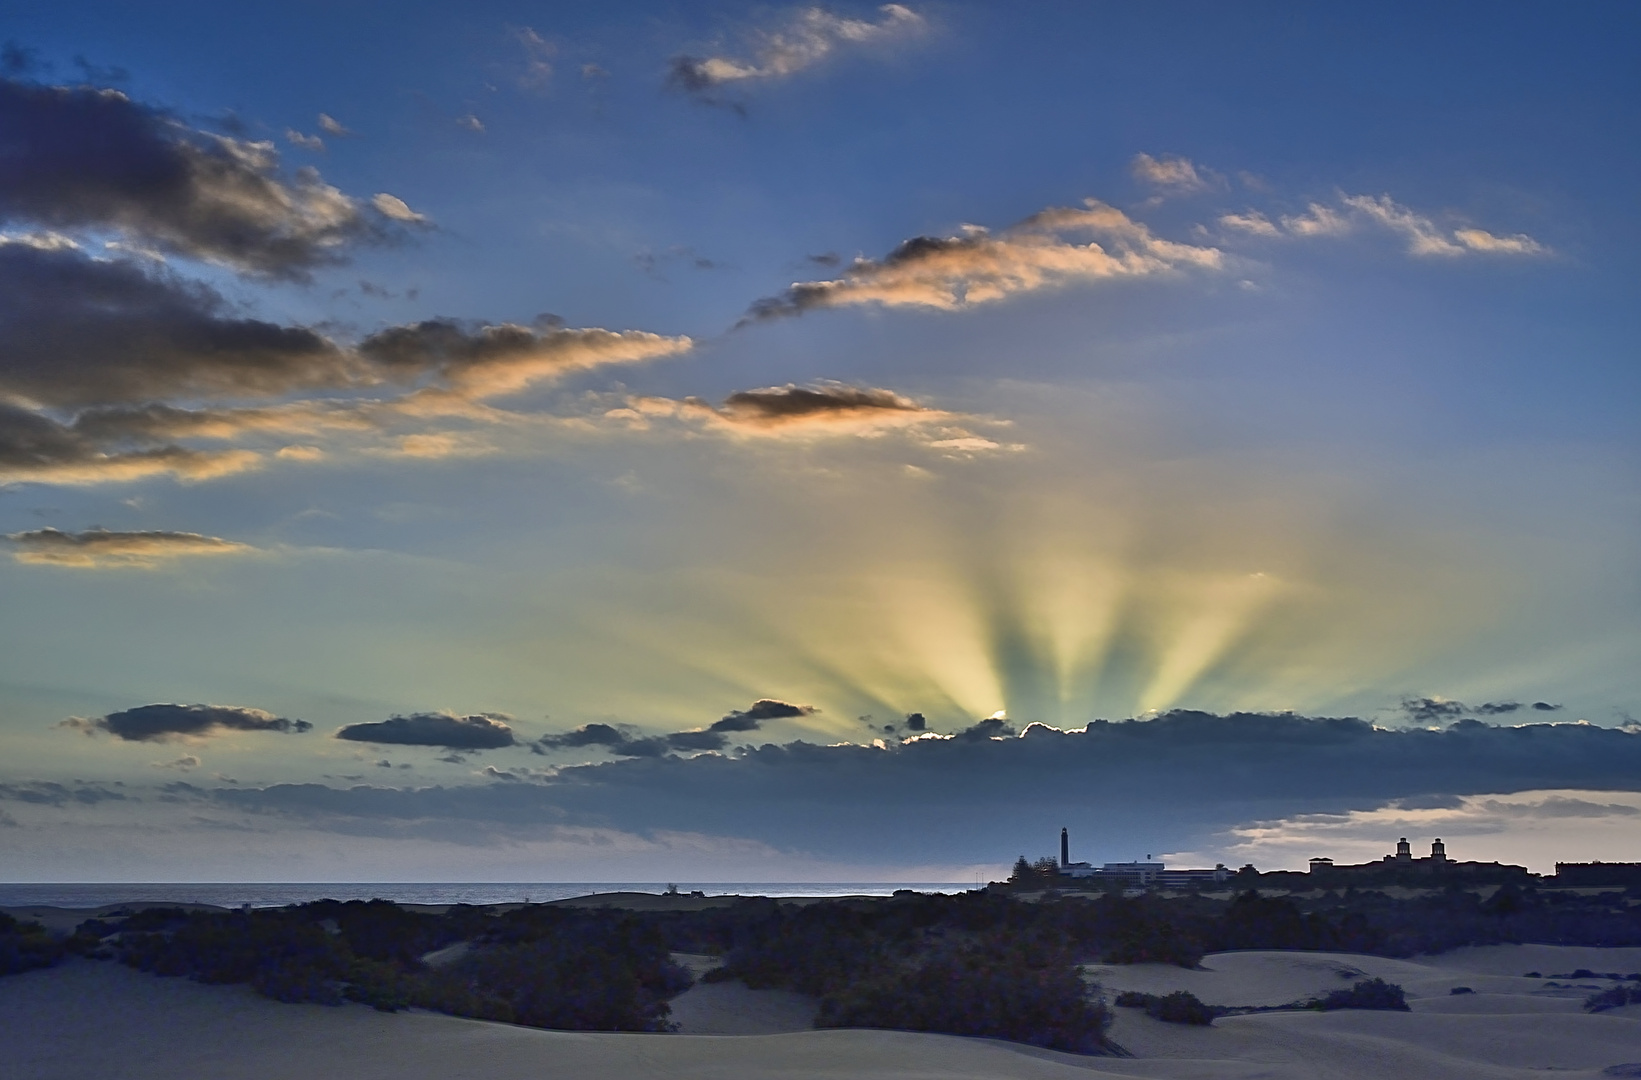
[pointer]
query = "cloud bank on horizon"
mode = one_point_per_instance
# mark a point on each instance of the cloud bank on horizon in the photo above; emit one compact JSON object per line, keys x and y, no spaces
{"x":1134,"y":411}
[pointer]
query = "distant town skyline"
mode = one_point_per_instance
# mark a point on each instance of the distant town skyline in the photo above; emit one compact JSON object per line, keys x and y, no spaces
{"x":572,"y":442}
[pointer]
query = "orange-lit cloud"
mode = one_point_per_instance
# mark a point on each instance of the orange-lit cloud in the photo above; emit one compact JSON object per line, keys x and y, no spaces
{"x":980,"y":267}
{"x":809,"y":36}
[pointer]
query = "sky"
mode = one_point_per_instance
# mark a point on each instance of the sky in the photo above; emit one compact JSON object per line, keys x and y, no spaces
{"x":752,"y":442}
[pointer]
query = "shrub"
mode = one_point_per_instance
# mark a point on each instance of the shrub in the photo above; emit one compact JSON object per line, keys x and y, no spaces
{"x":1003,"y":995}
{"x":1179,"y":1007}
{"x":26,"y":946}
{"x":1154,"y":942}
{"x":1367,"y":994}
{"x":1616,"y":998}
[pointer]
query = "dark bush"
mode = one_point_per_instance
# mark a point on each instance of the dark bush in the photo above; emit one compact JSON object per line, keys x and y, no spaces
{"x":1616,"y":998}
{"x":296,"y":983}
{"x":1150,"y":941}
{"x":545,"y":967}
{"x":25,"y":946}
{"x":1008,"y":995}
{"x":1367,"y":994}
{"x":1179,"y":1007}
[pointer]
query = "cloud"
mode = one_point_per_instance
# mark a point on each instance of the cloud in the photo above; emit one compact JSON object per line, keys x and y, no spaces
{"x":979,"y":267}
{"x":809,"y":37}
{"x":81,"y":157}
{"x":763,"y":709}
{"x":52,"y":793}
{"x":162,"y":723}
{"x":119,"y":341}
{"x":1164,"y":784}
{"x":331,"y":126}
{"x":81,"y":331}
{"x":1484,"y":241}
{"x":489,"y":361}
{"x":1427,"y":709}
{"x":1431,"y":709}
{"x":621,"y":740}
{"x":185,"y":763}
{"x":97,"y":548}
{"x":391,"y":206}
{"x":819,"y":410}
{"x":484,"y":731}
{"x":538,"y":54}
{"x":1251,"y":222}
{"x":1174,"y":175}
{"x":625,"y":741}
{"x":1424,"y":236}
{"x":470,"y":122}
{"x":306,"y":142}
{"x":35,"y":447}
{"x":1317,"y":220}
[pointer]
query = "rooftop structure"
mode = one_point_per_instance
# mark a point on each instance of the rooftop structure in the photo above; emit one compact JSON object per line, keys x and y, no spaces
{"x":1141,"y":875}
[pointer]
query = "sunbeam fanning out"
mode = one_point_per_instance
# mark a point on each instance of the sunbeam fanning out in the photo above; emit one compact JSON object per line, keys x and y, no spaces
{"x":642,"y":429}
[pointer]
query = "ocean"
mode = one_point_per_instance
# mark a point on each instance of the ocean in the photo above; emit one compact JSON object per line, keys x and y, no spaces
{"x":280,"y":894}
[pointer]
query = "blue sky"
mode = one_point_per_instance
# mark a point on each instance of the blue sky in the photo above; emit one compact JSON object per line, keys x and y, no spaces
{"x":611,"y":372}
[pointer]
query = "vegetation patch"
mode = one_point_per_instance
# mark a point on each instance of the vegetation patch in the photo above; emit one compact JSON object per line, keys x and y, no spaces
{"x":1179,"y":1007}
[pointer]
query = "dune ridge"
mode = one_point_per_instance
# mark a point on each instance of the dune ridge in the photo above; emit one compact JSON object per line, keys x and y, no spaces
{"x":87,"y":1018}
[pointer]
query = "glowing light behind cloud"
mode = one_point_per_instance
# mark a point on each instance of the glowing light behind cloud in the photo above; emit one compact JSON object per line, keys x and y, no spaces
{"x":970,"y":587}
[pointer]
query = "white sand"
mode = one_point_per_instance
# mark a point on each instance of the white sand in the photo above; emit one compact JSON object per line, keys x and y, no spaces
{"x":94,"y":1020}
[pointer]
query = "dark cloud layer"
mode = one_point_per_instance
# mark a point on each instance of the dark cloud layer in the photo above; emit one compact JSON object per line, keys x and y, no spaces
{"x":1132,"y":786}
{"x":81,"y":331}
{"x":484,"y":731}
{"x":159,"y":723}
{"x":81,"y":157}
{"x":52,"y":793}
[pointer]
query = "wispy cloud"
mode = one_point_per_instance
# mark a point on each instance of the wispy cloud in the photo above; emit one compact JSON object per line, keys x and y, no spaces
{"x":391,"y":206}
{"x":538,"y":59}
{"x":808,"y":36}
{"x":1317,"y":220}
{"x":1173,"y":175}
{"x":980,"y":267}
{"x":1425,"y":237}
{"x":100,"y":548}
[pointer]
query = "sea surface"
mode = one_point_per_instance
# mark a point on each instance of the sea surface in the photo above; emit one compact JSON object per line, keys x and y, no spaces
{"x":279,"y":894}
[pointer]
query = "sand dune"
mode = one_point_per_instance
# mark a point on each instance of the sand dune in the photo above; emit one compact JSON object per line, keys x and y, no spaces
{"x":95,"y":1020}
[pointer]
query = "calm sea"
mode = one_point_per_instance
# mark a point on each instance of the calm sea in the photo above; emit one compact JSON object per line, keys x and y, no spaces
{"x":236,"y":894}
